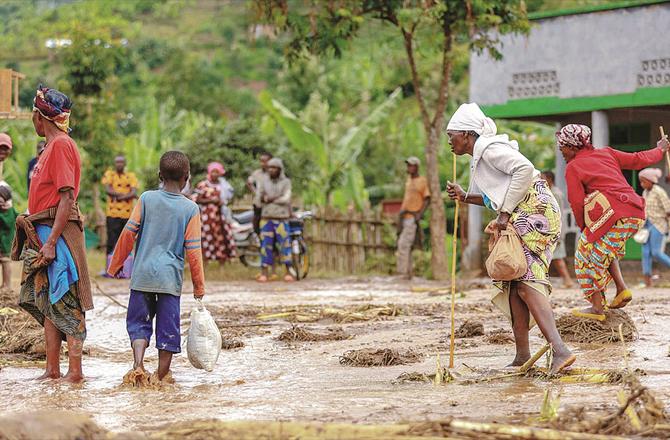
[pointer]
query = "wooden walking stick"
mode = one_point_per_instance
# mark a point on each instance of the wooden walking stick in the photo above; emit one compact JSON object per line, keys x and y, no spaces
{"x":454,"y":245}
{"x":667,"y":154}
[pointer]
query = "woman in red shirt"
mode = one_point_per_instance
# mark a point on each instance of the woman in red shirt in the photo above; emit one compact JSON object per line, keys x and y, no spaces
{"x":57,"y":254}
{"x":606,"y":209}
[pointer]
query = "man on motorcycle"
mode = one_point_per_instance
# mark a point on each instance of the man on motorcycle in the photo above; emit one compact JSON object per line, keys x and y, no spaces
{"x":273,"y":195}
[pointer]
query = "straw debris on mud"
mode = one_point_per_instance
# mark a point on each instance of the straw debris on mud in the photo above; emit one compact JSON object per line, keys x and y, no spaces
{"x":368,"y":357}
{"x":300,"y":334}
{"x":499,"y":337}
{"x":230,"y":343}
{"x":138,"y":378}
{"x":574,"y":329}
{"x":640,"y":412}
{"x":19,"y":332}
{"x":470,"y":329}
{"x":366,"y":312}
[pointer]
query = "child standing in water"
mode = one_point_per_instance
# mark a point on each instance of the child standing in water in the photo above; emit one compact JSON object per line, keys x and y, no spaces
{"x":166,"y":227}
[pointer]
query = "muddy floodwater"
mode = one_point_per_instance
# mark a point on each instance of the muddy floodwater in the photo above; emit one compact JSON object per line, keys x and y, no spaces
{"x":269,"y":379}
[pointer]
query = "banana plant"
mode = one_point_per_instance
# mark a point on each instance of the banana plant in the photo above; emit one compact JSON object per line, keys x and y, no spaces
{"x":338,"y":180}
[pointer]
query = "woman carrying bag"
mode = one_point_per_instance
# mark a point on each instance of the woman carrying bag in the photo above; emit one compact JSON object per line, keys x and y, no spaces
{"x":606,"y":209}
{"x":657,"y":208}
{"x":505,"y":181}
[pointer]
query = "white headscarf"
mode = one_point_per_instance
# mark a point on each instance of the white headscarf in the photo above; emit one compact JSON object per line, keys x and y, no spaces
{"x":469,"y":117}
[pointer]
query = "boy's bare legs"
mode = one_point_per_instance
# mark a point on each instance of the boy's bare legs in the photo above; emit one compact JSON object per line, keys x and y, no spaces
{"x":520,"y":324}
{"x":164,"y":361}
{"x":74,"y":351}
{"x":6,"y":274}
{"x":52,"y":339}
{"x":139,"y":348}
{"x":540,"y":308}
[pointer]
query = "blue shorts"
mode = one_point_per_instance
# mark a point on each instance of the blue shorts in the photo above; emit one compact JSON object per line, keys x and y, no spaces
{"x":143,"y":307}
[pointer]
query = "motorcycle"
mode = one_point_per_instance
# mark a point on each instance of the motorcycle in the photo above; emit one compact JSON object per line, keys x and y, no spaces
{"x":299,"y":251}
{"x":249,"y":244}
{"x":247,"y":241}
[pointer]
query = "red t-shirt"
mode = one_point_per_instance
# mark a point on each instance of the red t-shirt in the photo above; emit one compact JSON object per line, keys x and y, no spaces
{"x":58,"y":167}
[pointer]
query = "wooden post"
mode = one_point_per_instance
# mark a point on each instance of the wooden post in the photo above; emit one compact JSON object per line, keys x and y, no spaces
{"x":667,"y":154}
{"x":454,"y":245}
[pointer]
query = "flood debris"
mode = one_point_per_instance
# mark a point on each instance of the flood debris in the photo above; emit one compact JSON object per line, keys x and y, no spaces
{"x":365,"y":312}
{"x":639,"y":412}
{"x":367,"y":357}
{"x":470,"y":329}
{"x":230,"y":343}
{"x":413,"y":376}
{"x":499,"y":337}
{"x":301,"y":334}
{"x":20,"y":333}
{"x":574,"y":329}
{"x":463,"y":429}
{"x":138,"y":378}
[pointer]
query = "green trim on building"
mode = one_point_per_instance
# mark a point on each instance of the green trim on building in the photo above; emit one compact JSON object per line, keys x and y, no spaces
{"x":593,"y":8}
{"x":551,"y":105}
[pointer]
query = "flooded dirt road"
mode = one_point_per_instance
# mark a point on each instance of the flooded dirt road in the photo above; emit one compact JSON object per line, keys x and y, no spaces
{"x":268,"y":379}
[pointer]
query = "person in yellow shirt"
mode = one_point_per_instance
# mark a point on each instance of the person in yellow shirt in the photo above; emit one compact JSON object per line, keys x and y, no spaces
{"x":414,"y":205}
{"x":121,"y":189}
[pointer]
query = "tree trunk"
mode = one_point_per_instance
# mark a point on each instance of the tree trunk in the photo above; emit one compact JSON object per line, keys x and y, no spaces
{"x":438,"y":228}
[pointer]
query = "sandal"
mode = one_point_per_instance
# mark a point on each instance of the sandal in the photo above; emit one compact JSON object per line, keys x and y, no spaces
{"x":596,"y":316}
{"x":289,"y":278}
{"x":262,"y":279}
{"x":621,"y":299}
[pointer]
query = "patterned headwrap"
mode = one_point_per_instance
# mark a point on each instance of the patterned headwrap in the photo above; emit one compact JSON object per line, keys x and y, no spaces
{"x":575,"y":135}
{"x":54,"y":106}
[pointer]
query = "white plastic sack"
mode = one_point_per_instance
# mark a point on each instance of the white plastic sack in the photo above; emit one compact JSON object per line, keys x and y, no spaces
{"x":204,"y":339}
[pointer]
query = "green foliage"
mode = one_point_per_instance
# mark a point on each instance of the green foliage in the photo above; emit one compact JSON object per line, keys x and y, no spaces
{"x":336,"y":178}
{"x":236,"y":144}
{"x":15,"y":168}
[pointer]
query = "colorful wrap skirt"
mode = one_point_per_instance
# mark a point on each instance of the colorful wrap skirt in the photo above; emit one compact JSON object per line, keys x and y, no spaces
{"x":66,"y":314}
{"x":592,"y":260}
{"x":537,"y":220}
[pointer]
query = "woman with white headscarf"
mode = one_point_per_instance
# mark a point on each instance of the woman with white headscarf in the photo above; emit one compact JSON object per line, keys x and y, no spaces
{"x":505,"y":181}
{"x":657,"y":208}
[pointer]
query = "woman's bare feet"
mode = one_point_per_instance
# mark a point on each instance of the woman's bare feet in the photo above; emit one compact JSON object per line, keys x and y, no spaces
{"x":519,"y":359}
{"x":49,"y":375}
{"x":593,"y":310}
{"x":73,"y":377}
{"x":561,"y":359}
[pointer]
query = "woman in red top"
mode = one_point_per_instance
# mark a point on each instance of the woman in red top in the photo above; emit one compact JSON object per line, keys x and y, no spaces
{"x":55,"y":184}
{"x":606,"y":209}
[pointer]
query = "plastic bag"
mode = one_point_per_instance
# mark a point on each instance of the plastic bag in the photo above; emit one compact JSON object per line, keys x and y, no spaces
{"x":641,"y":236}
{"x":204,"y":339}
{"x":506,"y":260}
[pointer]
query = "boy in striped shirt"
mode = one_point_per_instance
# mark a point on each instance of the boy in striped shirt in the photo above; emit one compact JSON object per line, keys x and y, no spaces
{"x":165,"y":230}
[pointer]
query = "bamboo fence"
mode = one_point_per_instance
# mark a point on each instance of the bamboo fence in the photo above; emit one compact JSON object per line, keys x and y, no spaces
{"x":342,"y":242}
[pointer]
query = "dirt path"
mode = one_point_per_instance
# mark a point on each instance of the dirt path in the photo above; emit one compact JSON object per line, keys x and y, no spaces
{"x":268,"y":379}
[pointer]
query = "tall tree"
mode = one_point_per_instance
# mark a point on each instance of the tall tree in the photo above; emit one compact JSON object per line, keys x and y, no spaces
{"x":325,"y":27}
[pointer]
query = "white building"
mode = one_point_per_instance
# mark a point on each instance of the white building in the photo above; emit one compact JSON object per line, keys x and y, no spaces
{"x":606,"y":67}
